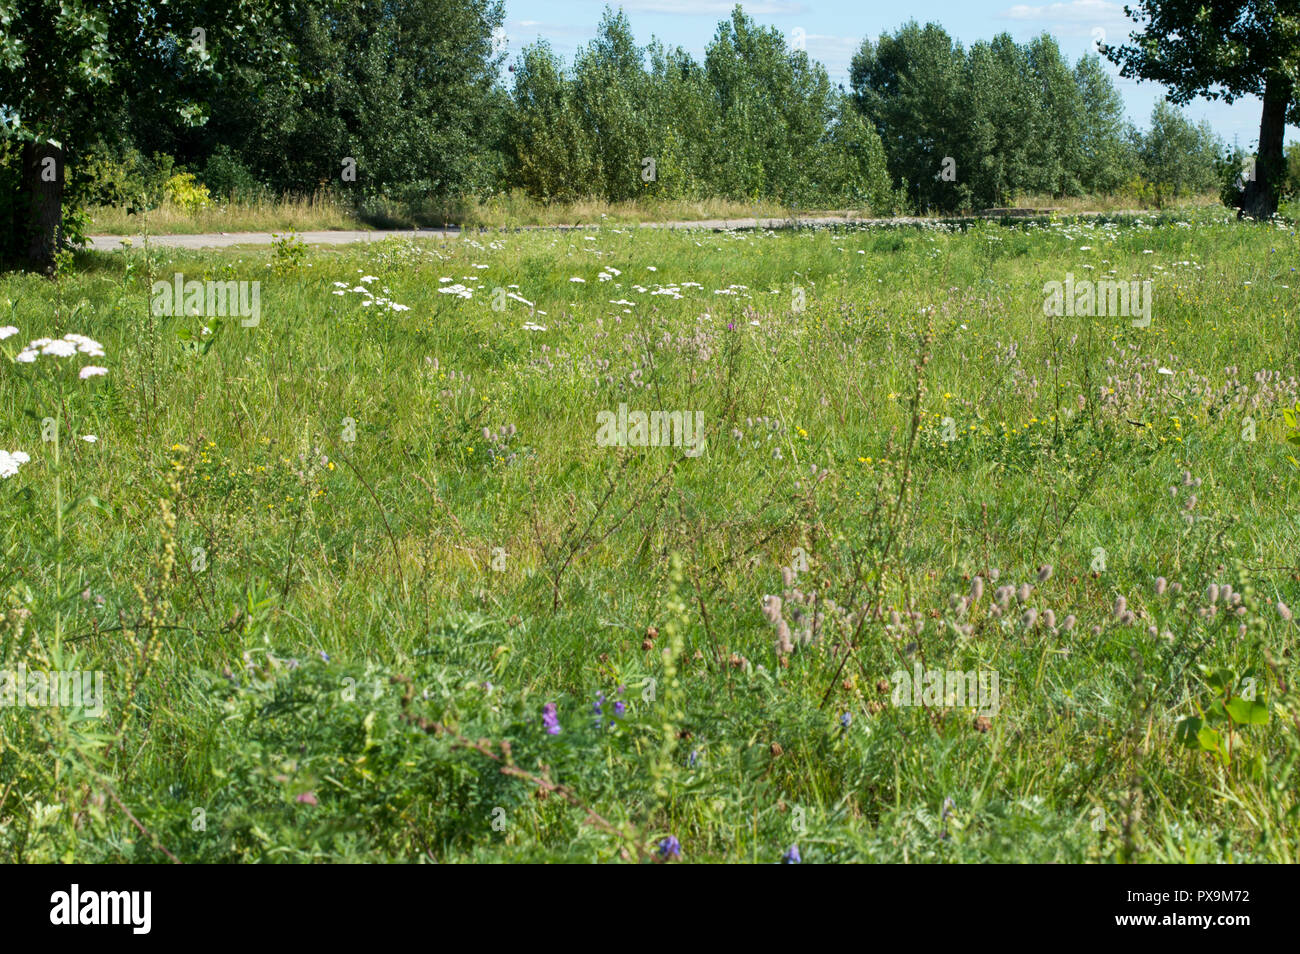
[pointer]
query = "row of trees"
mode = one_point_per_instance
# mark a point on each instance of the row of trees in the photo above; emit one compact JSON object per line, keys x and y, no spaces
{"x":974,"y":127}
{"x":405,"y":98}
{"x":755,"y":120}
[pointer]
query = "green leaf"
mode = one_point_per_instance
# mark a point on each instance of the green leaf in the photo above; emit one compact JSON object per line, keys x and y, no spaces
{"x":1187,"y":730}
{"x":1220,"y":679}
{"x":1245,"y":712}
{"x":1208,"y":739}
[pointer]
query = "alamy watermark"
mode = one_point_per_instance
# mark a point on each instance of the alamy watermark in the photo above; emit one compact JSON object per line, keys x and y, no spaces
{"x":1099,"y":299}
{"x":653,"y":429}
{"x":130,"y":908}
{"x":35,"y":688}
{"x":209,"y":299}
{"x":940,"y":689}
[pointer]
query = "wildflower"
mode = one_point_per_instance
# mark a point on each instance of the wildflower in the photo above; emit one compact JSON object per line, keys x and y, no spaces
{"x":8,"y":331}
{"x":89,"y":438}
{"x":620,"y":707}
{"x":1044,"y":573}
{"x":60,"y":349}
{"x":10,"y":461}
{"x":306,"y":798}
{"x":846,"y":719}
{"x":976,"y":589}
{"x":91,"y":371}
{"x":1284,"y":611}
{"x":784,"y":644}
{"x":670,"y":847}
{"x":551,"y":719}
{"x":792,"y":856}
{"x":1121,"y":606}
{"x":1069,"y":622}
{"x":1161,"y":586}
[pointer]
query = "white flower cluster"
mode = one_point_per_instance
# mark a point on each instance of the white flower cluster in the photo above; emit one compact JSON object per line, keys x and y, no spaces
{"x":10,"y":461}
{"x":70,"y":345}
{"x":459,"y":290}
{"x":371,"y":298}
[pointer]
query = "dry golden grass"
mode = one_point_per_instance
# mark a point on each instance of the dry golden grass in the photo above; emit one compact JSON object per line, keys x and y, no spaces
{"x":1120,"y":201}
{"x":260,"y":215}
{"x":506,"y":210}
{"x":323,"y":212}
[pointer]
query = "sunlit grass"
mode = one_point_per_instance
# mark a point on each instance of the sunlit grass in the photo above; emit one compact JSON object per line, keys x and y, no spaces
{"x":323,"y":597}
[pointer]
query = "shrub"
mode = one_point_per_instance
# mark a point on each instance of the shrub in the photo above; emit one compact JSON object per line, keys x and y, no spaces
{"x":228,"y":178}
{"x":187,"y":192}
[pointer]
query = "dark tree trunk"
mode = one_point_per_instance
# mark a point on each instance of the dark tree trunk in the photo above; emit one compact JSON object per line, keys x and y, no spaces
{"x":1259,"y":200}
{"x":43,"y":179}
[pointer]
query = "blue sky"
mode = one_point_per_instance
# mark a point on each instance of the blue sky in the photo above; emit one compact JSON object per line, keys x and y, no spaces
{"x":833,"y":30}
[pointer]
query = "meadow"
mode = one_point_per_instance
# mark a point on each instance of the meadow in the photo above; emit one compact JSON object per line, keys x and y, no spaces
{"x":363,"y":585}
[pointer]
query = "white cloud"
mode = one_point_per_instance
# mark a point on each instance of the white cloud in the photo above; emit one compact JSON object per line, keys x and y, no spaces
{"x":712,"y":8}
{"x":1075,"y":10}
{"x":1077,"y":18}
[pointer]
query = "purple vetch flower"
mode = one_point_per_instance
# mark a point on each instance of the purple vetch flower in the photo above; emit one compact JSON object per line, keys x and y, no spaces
{"x":551,"y":719}
{"x":670,"y":847}
{"x":948,"y":806}
{"x":695,"y":754}
{"x":846,"y":719}
{"x":620,"y":708}
{"x":792,"y":856}
{"x":325,"y":657}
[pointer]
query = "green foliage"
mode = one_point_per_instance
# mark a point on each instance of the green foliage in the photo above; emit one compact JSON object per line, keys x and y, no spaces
{"x":317,"y":649}
{"x":288,"y":252}
{"x":755,"y":121}
{"x":1177,"y":157}
{"x":185,"y":191}
{"x":405,"y":89}
{"x":553,"y":149}
{"x":226,"y":176}
{"x":1219,"y":727}
{"x":1224,"y":50}
{"x":972,"y":128}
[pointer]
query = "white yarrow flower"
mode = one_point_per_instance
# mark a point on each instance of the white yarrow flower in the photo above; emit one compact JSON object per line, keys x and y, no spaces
{"x":10,"y":461}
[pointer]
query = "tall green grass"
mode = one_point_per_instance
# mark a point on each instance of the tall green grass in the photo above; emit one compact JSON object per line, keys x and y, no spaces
{"x":330,"y":611}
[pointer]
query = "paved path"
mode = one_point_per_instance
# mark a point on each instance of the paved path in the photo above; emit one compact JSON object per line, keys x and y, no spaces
{"x":108,"y":243}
